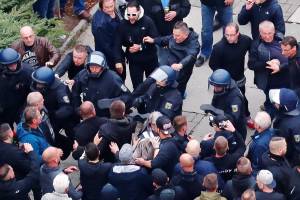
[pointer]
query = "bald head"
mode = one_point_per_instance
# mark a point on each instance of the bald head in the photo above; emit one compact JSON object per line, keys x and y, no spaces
{"x":193,"y":148}
{"x":186,"y":162}
{"x":27,"y":35}
{"x":243,"y":166}
{"x":35,"y":99}
{"x":51,"y":156}
{"x":221,"y":145}
{"x":87,"y":110}
{"x":278,"y":146}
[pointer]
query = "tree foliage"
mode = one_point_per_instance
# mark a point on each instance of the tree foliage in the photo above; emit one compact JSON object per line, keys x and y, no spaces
{"x":17,"y":13}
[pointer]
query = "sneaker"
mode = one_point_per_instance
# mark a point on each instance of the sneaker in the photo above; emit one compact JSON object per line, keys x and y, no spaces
{"x":200,"y":61}
{"x":250,"y":123}
{"x":85,"y":15}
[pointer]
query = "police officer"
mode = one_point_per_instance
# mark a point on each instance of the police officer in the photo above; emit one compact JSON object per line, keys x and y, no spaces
{"x":97,"y":82}
{"x":229,"y":98}
{"x":161,"y":93}
{"x":287,"y":120}
{"x":57,"y":100}
{"x":14,"y":85}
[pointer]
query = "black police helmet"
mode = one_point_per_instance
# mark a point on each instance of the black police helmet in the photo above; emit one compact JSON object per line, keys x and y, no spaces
{"x":96,"y":58}
{"x":220,"y":78}
{"x":164,"y":72}
{"x":9,"y":56}
{"x":43,"y":76}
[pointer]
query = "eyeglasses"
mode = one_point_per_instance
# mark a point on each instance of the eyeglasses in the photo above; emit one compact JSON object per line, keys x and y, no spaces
{"x":132,"y":14}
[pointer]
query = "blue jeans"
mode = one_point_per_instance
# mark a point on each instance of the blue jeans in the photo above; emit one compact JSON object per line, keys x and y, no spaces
{"x":208,"y":13}
{"x":78,"y":6}
{"x":44,"y":8}
{"x":109,"y":192}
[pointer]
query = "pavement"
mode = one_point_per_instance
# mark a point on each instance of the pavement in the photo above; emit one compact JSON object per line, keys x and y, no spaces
{"x":197,"y":90}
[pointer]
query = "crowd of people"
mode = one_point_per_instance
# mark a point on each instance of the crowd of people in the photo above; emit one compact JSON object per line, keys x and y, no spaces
{"x":52,"y":108}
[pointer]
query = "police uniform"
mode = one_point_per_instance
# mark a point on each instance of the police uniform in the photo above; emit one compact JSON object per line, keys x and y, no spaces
{"x":107,"y":86}
{"x":232,"y":103}
{"x":166,"y":100}
{"x":14,"y":88}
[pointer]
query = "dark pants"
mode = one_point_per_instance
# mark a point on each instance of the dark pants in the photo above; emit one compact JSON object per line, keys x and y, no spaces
{"x":184,"y":76}
{"x":243,"y":90}
{"x":137,"y":71}
{"x":44,"y":8}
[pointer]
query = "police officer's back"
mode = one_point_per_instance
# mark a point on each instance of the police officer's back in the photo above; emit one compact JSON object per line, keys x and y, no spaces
{"x":97,"y":82}
{"x":14,"y":85}
{"x":287,"y":121}
{"x":229,"y":98}
{"x":161,"y":93}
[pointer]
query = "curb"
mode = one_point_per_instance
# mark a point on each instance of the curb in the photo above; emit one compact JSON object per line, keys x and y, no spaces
{"x":82,"y":25}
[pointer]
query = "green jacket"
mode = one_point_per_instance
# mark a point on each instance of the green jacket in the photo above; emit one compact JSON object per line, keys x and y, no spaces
{"x":210,"y":196}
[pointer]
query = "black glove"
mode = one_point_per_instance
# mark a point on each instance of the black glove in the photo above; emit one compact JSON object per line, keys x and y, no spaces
{"x":137,"y":102}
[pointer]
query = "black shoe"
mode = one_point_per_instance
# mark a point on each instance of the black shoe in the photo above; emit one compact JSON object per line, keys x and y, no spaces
{"x":217,"y":25}
{"x":200,"y":61}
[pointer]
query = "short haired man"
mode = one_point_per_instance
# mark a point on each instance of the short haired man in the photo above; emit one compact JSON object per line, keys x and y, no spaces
{"x":10,"y":187}
{"x":167,"y":153}
{"x":73,"y":62}
{"x":188,"y":178}
{"x":180,"y":135}
{"x":241,"y":180}
{"x":29,"y":131}
{"x":260,"y":139}
{"x":274,"y":160}
{"x":49,"y":170}
{"x":61,"y":185}
{"x":248,"y":194}
{"x":210,"y":183}
{"x":266,"y":185}
{"x":229,"y":54}
{"x":34,"y":50}
{"x":226,"y":162}
{"x":183,"y":47}
{"x":265,"y":59}
{"x":290,"y":49}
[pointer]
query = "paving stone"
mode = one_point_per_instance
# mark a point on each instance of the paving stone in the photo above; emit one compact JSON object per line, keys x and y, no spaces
{"x":295,"y":18}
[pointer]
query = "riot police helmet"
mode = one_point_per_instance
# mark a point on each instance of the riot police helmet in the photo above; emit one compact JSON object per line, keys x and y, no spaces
{"x":96,"y":63}
{"x":9,"y":59}
{"x":286,"y":99}
{"x":221,"y":79}
{"x":164,"y":73}
{"x":42,"y":78}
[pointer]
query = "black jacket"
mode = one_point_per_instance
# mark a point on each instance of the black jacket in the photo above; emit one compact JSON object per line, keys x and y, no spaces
{"x":166,"y":100}
{"x":294,"y":71}
{"x":230,"y":56}
{"x":86,"y":130}
{"x":156,"y":12}
{"x":260,"y":53}
{"x":269,"y":10}
{"x":16,"y":158}
{"x":67,"y":65}
{"x":93,"y":176}
{"x":129,"y":34}
{"x":15,"y":88}
{"x":118,"y":131}
{"x":280,"y":169}
{"x":18,"y":190}
{"x":234,"y":188}
{"x":109,"y":85}
{"x":191,"y":182}
{"x":295,"y":185}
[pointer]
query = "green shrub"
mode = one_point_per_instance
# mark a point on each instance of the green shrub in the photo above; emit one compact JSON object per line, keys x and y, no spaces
{"x":22,"y":14}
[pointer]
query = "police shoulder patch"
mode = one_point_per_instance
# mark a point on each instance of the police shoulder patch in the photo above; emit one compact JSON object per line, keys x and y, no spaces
{"x":66,"y":99}
{"x":168,"y":105}
{"x":123,"y":88}
{"x":234,"y":108}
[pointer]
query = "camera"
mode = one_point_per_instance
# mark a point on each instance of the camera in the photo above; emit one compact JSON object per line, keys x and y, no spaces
{"x":216,"y":116}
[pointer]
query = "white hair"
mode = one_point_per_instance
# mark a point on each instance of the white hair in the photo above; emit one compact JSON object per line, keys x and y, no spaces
{"x":266,"y":25}
{"x":61,"y":182}
{"x":193,"y":148}
{"x":33,"y":98}
{"x":153,"y":117}
{"x":263,"y":120}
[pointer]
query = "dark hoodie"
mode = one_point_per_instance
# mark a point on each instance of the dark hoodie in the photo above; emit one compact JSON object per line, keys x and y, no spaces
{"x":93,"y":176}
{"x":234,"y":188}
{"x":191,"y":182}
{"x":280,"y":169}
{"x":269,"y":10}
{"x":118,"y":131}
{"x":294,"y":71}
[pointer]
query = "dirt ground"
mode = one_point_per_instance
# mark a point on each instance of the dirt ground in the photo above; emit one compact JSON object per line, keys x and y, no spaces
{"x":70,"y":19}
